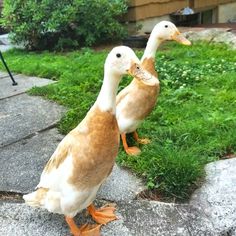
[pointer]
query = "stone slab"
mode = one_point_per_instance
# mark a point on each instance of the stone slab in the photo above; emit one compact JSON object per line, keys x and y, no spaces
{"x":22,"y":163}
{"x":5,"y":74}
{"x":24,"y":115}
{"x":213,"y":35}
{"x":217,"y":196}
{"x":136,"y":218}
{"x":206,"y":34}
{"x":121,"y":185}
{"x":183,"y":29}
{"x":159,"y":219}
{"x":227,"y":38}
{"x":24,"y":83}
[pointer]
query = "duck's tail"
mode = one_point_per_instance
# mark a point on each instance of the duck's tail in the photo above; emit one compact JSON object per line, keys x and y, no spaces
{"x":36,"y":198}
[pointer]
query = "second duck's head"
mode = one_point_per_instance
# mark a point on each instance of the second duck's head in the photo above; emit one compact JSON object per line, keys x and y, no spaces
{"x":166,"y":30}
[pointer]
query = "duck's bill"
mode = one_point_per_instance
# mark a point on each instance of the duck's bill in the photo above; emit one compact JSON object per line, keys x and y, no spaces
{"x":134,"y":67}
{"x":142,"y":75}
{"x":181,"y":39}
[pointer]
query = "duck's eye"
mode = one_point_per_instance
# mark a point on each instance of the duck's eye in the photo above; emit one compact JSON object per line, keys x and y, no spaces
{"x":118,"y":55}
{"x":138,"y":67}
{"x":166,"y":26}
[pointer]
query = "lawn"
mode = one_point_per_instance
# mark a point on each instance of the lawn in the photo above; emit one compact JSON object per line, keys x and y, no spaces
{"x":194,"y":122}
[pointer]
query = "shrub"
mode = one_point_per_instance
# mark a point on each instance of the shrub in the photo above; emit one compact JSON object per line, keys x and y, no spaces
{"x":50,"y":24}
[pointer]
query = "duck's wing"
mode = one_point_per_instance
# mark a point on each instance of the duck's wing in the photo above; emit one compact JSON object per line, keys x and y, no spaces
{"x":60,"y":165}
{"x":54,"y":179}
{"x":54,"y":165}
{"x":58,"y":156}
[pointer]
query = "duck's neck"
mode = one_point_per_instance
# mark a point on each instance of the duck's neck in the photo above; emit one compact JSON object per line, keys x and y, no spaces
{"x":106,"y":100}
{"x":153,"y":43}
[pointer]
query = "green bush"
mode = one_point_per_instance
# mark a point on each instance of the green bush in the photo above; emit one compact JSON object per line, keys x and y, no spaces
{"x":50,"y":24}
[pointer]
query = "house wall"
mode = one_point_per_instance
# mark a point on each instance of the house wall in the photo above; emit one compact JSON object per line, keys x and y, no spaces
{"x":143,"y":9}
{"x":227,"y":12}
{"x":149,"y":23}
{"x":149,"y":12}
{"x":209,"y":3}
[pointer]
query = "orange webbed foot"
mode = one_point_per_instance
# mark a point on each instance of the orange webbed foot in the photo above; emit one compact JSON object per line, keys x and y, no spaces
{"x":90,"y":230}
{"x":133,"y":151}
{"x":129,"y":150}
{"x":102,"y":215}
{"x":84,"y":230}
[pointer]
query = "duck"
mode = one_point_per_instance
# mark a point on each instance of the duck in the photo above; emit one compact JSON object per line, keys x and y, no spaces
{"x":85,"y":157}
{"x":136,"y":101}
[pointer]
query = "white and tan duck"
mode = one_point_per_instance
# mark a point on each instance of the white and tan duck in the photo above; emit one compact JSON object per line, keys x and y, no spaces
{"x":136,"y":101}
{"x":85,"y":157}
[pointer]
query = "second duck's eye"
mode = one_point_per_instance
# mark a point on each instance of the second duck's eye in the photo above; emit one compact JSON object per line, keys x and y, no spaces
{"x":118,"y":55}
{"x":138,"y":67}
{"x":166,"y":26}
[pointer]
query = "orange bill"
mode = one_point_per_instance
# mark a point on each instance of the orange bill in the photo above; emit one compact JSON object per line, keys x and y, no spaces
{"x":178,"y":37}
{"x":137,"y":71}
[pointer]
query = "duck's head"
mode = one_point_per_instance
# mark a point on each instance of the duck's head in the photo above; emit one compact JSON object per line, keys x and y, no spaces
{"x":122,"y":60}
{"x":166,"y":30}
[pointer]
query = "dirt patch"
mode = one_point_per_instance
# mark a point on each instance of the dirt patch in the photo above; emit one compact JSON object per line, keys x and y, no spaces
{"x":156,"y":195}
{"x":11,"y":196}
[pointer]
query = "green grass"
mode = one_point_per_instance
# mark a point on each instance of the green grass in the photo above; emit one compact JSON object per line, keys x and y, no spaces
{"x":194,"y":122}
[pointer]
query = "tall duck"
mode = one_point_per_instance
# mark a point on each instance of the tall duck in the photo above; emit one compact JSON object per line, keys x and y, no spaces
{"x":85,"y":157}
{"x":136,"y":101}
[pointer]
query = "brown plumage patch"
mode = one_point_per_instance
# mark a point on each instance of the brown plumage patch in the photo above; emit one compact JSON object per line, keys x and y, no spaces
{"x":143,"y":100}
{"x":149,"y":65}
{"x":93,"y":151}
{"x":94,"y":162}
{"x":35,"y":200}
{"x":41,"y":192}
{"x":58,"y":156}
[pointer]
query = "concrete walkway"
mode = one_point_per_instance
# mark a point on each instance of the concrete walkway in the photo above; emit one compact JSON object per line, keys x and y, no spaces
{"x":28,"y":137}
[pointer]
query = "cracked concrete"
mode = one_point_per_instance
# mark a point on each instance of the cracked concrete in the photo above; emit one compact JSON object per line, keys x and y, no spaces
{"x":217,"y":197}
{"x":25,"y":83}
{"x":23,"y":115}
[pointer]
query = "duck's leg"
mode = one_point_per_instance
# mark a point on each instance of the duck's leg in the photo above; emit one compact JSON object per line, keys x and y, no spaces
{"x":84,"y":230}
{"x":140,"y":140}
{"x":102,"y":215}
{"x":129,"y":150}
